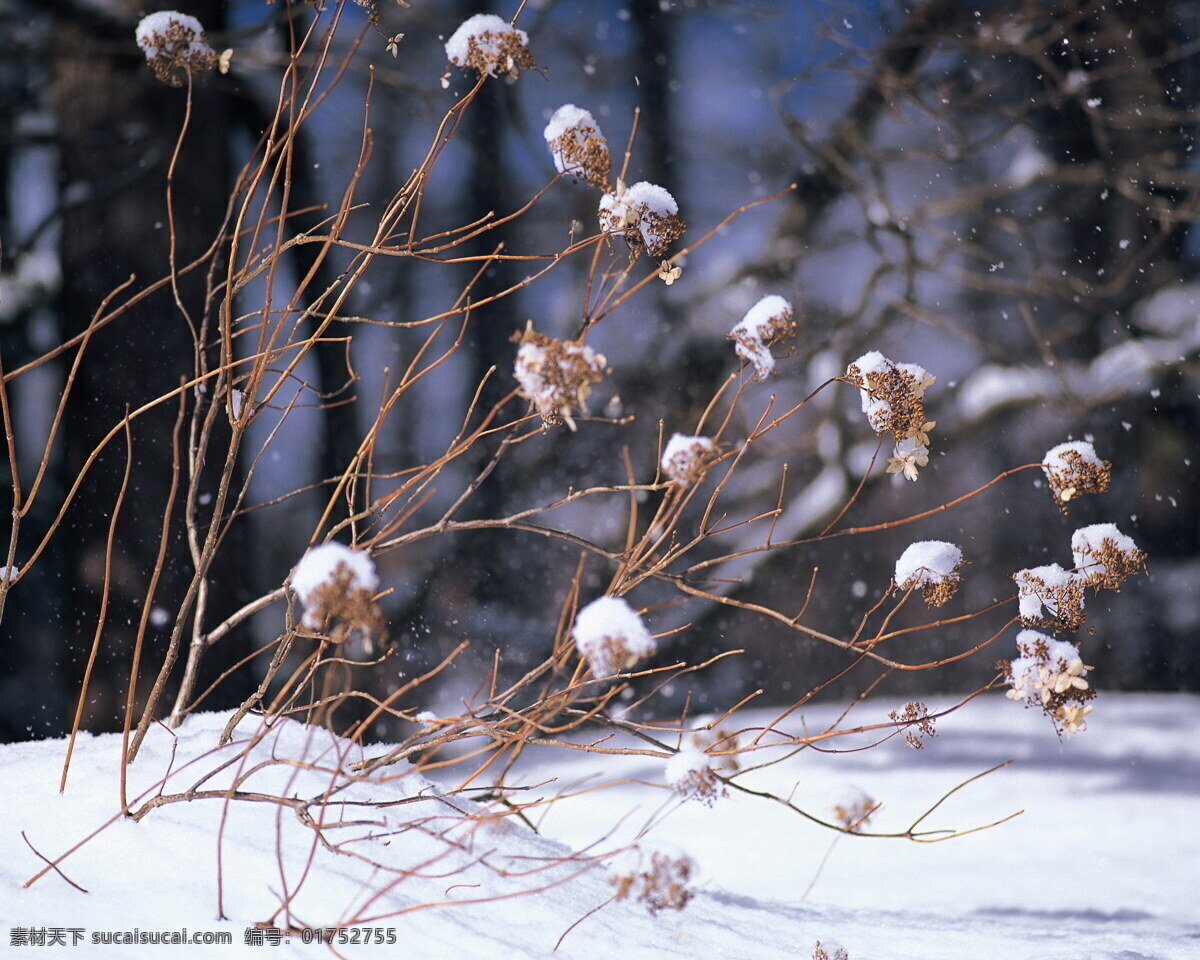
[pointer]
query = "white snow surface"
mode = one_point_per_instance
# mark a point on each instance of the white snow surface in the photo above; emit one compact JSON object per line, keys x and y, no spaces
{"x":927,"y":561}
{"x":319,"y":564}
{"x":484,"y":29}
{"x":1115,"y":802}
{"x":162,"y":21}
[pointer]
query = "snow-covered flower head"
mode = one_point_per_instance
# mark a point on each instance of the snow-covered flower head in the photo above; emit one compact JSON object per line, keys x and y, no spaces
{"x":577,"y":145}
{"x":829,"y":950}
{"x":1050,"y":674}
{"x":654,"y":873}
{"x":893,"y":396}
{"x":556,"y":376}
{"x":1104,"y":556}
{"x":489,"y":45}
{"x":610,"y":635}
{"x":1073,"y":469}
{"x":645,"y":214}
{"x":175,"y":45}
{"x":692,"y":772}
{"x":933,"y":566}
{"x":766,"y":323}
{"x":336,"y":585}
{"x":685,"y":458}
{"x":1049,"y":596}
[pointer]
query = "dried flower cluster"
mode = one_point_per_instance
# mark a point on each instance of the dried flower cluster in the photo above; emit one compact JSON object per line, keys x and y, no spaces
{"x":1049,"y":596}
{"x":685,"y":458}
{"x":893,"y":398}
{"x":645,"y":214}
{"x":336,"y":585}
{"x":556,"y":376}
{"x":578,"y":147}
{"x":489,"y":45}
{"x":854,"y":809}
{"x":933,"y":566}
{"x":915,"y":714}
{"x":1050,"y":674}
{"x":657,"y":876}
{"x":765,"y":324}
{"x":1074,"y":469}
{"x":830,"y":951}
{"x":610,"y":635}
{"x":693,"y":772}
{"x":1104,"y":556}
{"x":175,"y":46}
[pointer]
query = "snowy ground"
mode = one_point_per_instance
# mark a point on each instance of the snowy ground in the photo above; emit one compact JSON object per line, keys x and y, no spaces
{"x":1103,"y":864}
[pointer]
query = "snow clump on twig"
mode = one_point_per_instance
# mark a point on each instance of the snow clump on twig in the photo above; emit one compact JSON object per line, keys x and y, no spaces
{"x":610,"y":635}
{"x":692,"y":772}
{"x":645,"y":214}
{"x":1073,"y":469}
{"x":1049,"y":596}
{"x":335,"y":586}
{"x":766,"y":323}
{"x":893,"y":398}
{"x":933,"y":566}
{"x":556,"y":376}
{"x":577,"y":145}
{"x":489,"y":45}
{"x":656,"y":874}
{"x":1104,"y":556}
{"x":685,"y":458}
{"x":175,"y":45}
{"x":1050,"y":674}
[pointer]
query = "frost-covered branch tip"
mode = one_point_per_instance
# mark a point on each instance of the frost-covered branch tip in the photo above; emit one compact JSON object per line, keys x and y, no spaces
{"x":765,"y":324}
{"x":610,"y":635}
{"x":577,"y":146}
{"x":489,"y":45}
{"x":175,"y":45}
{"x":645,"y":214}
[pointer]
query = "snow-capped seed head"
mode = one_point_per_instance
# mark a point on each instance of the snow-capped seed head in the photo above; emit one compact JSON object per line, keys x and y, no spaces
{"x":1073,"y":469}
{"x":893,"y":397}
{"x":765,"y":324}
{"x":556,"y":376}
{"x":656,"y":874}
{"x":175,"y":45}
{"x":610,"y":635}
{"x":1050,"y":596}
{"x":933,"y":566}
{"x":1104,"y":556}
{"x":685,"y":458}
{"x":1050,"y":674}
{"x":489,"y":45}
{"x":693,"y":771}
{"x":645,"y":214}
{"x":829,"y":950}
{"x":577,"y":145}
{"x":335,"y":585}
